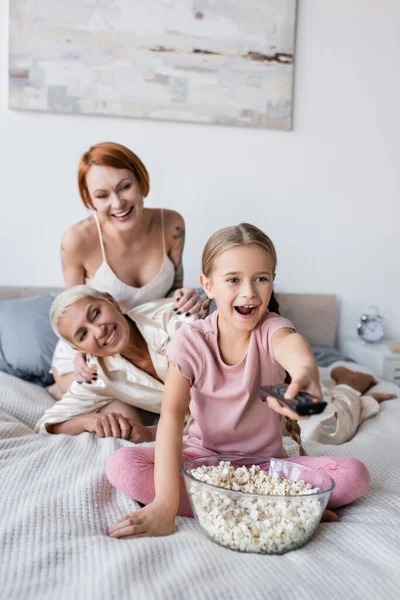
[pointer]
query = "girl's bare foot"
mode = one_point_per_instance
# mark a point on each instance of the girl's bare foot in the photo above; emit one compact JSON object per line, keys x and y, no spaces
{"x":328,"y":516}
{"x":382,"y":397}
{"x":361,"y":382}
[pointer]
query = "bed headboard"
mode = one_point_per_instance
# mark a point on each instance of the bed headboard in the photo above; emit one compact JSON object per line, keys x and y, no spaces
{"x":314,"y":315}
{"x":8,"y":292}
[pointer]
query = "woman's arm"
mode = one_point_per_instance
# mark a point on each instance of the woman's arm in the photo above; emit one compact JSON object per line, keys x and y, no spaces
{"x":158,"y":518}
{"x":73,"y":426}
{"x":187,"y":299}
{"x":175,"y":234}
{"x":292,"y":351}
{"x":79,"y":400}
{"x":106,"y":424}
{"x":71,"y":258}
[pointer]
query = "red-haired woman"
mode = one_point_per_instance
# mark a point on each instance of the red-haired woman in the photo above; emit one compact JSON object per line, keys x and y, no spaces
{"x":133,"y":253}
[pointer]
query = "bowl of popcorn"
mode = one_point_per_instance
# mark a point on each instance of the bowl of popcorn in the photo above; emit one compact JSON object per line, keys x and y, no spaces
{"x":268,"y":506}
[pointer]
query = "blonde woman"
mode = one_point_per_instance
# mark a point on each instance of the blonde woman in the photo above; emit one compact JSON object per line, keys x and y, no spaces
{"x":128,"y":353}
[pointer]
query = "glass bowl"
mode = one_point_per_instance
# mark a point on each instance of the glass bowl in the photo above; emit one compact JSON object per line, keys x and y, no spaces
{"x":261,"y":523}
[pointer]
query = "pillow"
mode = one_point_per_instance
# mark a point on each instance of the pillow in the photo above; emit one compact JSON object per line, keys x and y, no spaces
{"x":27,"y":340}
{"x":324,"y":357}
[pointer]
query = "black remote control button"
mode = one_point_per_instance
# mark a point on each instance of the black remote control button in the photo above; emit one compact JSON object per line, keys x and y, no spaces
{"x":302,"y":399}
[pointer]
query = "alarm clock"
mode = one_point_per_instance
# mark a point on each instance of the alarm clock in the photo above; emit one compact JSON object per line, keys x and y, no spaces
{"x":370,"y":327}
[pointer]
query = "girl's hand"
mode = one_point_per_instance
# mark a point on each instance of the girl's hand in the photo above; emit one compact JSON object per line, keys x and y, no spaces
{"x":285,"y":411}
{"x":155,"y":519}
{"x":82,"y":372}
{"x":188,"y":301}
{"x":308,"y":382}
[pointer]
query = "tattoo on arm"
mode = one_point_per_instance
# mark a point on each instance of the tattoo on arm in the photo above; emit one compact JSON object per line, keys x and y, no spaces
{"x":178,"y":281}
{"x":180,"y":233}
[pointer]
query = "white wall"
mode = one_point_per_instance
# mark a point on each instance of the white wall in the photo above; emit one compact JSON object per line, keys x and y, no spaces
{"x":328,"y":193}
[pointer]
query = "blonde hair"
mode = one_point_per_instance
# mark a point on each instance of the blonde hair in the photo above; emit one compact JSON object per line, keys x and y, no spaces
{"x":232,"y":237}
{"x":66,"y":299}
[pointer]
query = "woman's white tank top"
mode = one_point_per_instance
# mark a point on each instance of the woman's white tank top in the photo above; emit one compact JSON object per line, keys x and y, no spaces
{"x":105,"y":280}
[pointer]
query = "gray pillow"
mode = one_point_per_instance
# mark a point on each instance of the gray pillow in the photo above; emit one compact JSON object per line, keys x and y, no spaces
{"x":324,"y":357}
{"x":27,"y":340}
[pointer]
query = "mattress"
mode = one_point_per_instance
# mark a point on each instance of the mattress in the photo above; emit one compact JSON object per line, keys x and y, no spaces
{"x":56,"y":505}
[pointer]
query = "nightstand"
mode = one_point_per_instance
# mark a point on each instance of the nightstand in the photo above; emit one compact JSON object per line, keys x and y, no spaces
{"x":377,"y":357}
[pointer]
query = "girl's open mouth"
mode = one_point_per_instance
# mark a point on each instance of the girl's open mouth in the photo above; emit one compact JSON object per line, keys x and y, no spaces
{"x":245,"y":310}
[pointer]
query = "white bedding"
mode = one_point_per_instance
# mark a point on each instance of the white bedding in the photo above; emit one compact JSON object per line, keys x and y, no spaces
{"x":56,"y":505}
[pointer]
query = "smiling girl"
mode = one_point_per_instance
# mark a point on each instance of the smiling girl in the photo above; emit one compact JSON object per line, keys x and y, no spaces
{"x":222,"y":361}
{"x":129,"y":251}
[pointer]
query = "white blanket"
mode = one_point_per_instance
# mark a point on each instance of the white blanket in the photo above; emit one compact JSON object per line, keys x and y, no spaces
{"x":56,"y":505}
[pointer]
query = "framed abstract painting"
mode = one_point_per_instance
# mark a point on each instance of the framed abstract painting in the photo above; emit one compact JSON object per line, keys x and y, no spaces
{"x":226,"y":62}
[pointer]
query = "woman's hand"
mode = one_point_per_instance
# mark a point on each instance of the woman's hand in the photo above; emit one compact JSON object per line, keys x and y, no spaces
{"x":116,"y":425}
{"x":307,"y":381}
{"x":82,"y":371}
{"x":188,"y":301}
{"x":155,"y":519}
{"x":108,"y":425}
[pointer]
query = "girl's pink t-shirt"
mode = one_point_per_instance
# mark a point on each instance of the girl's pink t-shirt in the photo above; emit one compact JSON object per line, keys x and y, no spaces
{"x":229,"y":416}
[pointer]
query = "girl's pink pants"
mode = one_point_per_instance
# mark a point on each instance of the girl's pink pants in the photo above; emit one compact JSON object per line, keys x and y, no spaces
{"x":131,"y":470}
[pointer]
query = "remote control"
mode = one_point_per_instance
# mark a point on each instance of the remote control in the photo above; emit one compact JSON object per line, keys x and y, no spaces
{"x":303,"y":404}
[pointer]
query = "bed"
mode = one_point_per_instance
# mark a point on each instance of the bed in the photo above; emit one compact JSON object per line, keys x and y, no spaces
{"x":56,"y":505}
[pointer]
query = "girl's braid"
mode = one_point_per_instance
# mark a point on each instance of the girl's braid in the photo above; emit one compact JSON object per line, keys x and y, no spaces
{"x":293,"y":429}
{"x":273,"y":305}
{"x":204,"y":308}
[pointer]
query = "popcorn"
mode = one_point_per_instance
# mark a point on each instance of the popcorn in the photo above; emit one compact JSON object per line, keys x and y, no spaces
{"x":254,"y":524}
